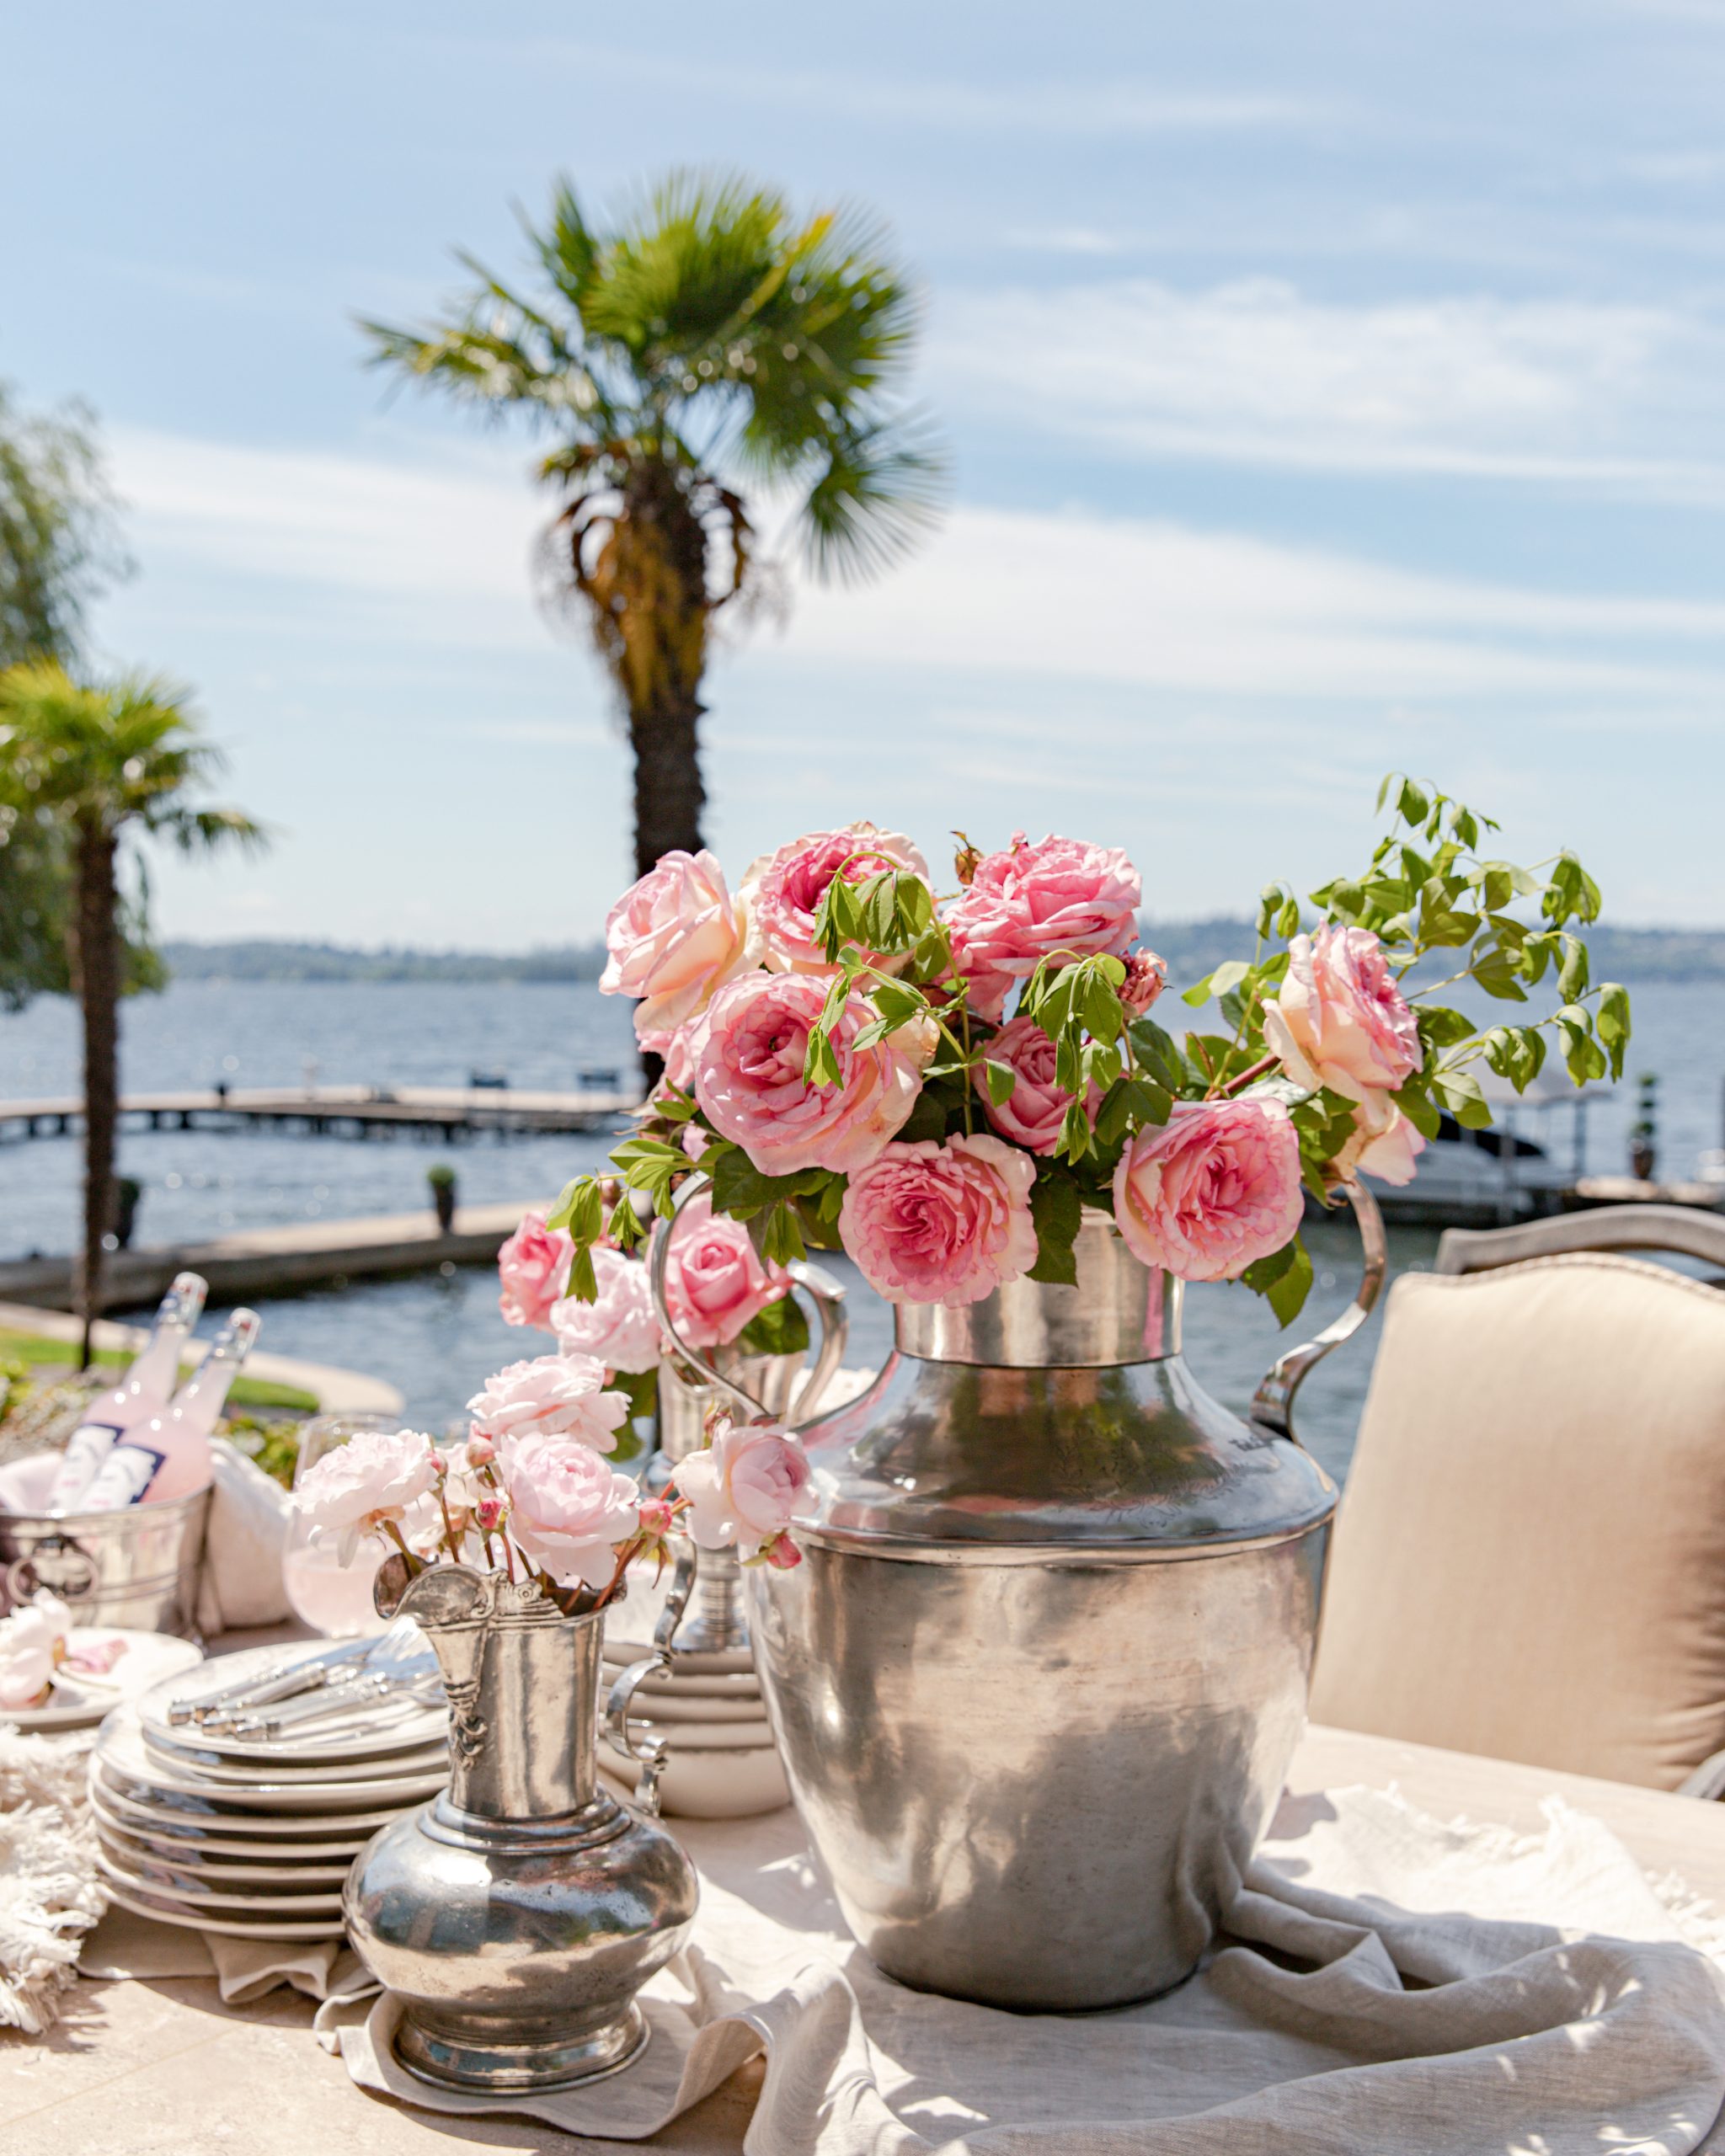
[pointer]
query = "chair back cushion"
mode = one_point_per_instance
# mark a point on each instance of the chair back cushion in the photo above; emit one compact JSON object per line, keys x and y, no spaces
{"x":1528,"y":1560}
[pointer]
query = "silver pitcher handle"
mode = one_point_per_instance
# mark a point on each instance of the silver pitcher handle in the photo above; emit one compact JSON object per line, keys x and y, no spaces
{"x":651,"y":1757}
{"x":827,"y":1294}
{"x":1272,"y":1403}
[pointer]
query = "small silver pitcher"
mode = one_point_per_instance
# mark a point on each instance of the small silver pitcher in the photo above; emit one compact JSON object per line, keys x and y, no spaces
{"x":518,"y":1913}
{"x":692,"y":1384}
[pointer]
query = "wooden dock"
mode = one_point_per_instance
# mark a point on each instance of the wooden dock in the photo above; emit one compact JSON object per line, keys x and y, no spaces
{"x":451,"y":1112}
{"x":255,"y":1261}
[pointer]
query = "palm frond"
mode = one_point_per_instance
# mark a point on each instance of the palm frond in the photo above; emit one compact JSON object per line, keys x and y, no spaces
{"x":881,"y":487}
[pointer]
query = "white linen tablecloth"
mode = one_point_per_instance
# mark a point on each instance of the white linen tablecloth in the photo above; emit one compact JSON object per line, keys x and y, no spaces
{"x":1390,"y":1986}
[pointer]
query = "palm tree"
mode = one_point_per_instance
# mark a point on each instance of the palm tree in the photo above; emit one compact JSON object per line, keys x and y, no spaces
{"x":100,"y":764}
{"x":708,"y":341}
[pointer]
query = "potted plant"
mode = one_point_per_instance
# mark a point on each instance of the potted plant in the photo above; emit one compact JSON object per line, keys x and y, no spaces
{"x":441,"y":1179}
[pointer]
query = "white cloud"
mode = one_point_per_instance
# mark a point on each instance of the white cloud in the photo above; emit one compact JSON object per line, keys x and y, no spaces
{"x":1256,"y":372}
{"x":440,"y":551}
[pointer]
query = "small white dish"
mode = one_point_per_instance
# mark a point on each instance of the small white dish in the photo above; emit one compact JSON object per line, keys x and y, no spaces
{"x":120,"y":1749}
{"x":144,"y":1903}
{"x":271,"y":1839}
{"x":187,"y":1890}
{"x":165,"y":1866}
{"x":80,"y":1697}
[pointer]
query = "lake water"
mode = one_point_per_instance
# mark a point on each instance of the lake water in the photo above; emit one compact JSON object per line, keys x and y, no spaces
{"x":438,"y":1338}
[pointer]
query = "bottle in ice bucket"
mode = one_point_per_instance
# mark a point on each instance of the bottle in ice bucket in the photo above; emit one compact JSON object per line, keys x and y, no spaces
{"x":144,"y":1390}
{"x":168,"y":1456}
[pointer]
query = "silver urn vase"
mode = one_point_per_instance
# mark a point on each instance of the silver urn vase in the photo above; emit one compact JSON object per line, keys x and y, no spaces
{"x":1038,"y":1678}
{"x":518,"y":1913}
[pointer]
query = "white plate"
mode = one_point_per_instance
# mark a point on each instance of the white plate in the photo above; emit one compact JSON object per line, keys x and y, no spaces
{"x":79,"y":1699}
{"x":183,"y":1887}
{"x":670,"y":1704}
{"x":146,"y":1904}
{"x":120,"y":1749}
{"x":177,"y":1836}
{"x":703,"y":1735}
{"x":186,"y":1759}
{"x":415,"y":1726}
{"x":710,"y":1785}
{"x":147,"y":1865}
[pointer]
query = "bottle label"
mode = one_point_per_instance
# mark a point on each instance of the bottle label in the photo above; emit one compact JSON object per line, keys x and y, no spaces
{"x":123,"y":1477}
{"x":86,"y":1449}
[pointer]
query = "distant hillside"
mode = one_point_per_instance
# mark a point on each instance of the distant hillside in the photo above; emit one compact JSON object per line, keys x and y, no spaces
{"x":1192,"y":948}
{"x":330,"y":962}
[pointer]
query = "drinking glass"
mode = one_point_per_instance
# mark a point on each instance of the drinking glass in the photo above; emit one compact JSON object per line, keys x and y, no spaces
{"x":331,"y":1598}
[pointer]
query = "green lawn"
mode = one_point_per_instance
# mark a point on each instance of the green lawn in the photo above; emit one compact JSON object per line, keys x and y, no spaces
{"x":36,"y":1348}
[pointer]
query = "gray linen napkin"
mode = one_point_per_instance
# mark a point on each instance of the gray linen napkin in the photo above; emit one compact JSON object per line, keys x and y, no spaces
{"x":1390,"y":1984}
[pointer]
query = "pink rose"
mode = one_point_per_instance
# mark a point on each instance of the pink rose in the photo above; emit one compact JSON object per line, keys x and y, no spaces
{"x":673,"y":938}
{"x":1033,"y":1113}
{"x":1216,"y":1187}
{"x":941,"y":1223}
{"x":1339,"y":1020}
{"x":784,"y":891}
{"x":743,"y":1487}
{"x":676,"y":1051}
{"x":1147,"y":977}
{"x":375,"y":1476}
{"x":32,"y":1642}
{"x":553,"y":1396}
{"x":748,"y":1076}
{"x":1391,"y":1153}
{"x":714,"y":1279}
{"x":568,"y":1512}
{"x":620,"y":1330}
{"x":1032,"y":902}
{"x":534,"y":1267}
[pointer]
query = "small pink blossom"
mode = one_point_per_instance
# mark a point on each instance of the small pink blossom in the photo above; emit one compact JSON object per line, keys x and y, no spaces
{"x":748,"y":1076}
{"x":672,"y":938}
{"x":784,"y":891}
{"x":1033,"y":1113}
{"x":782,"y":1554}
{"x":1147,"y":977}
{"x":715,"y":1281}
{"x":1214,"y":1187}
{"x":1339,"y":1019}
{"x":488,"y":1513}
{"x":440,"y":1465}
{"x":941,"y":1223}
{"x":676,"y":1051}
{"x":1058,"y":897}
{"x":534,"y":1267}
{"x":657,"y":1517}
{"x":568,"y":1510}
{"x":1390,"y":1153}
{"x":481,"y":1452}
{"x":374,"y":1477}
{"x":553,"y":1396}
{"x":743,"y":1487}
{"x":620,"y":1330}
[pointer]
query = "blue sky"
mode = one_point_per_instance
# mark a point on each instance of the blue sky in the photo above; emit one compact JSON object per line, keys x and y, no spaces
{"x":1328,"y":388}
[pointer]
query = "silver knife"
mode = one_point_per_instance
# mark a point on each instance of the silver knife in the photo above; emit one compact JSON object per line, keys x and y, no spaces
{"x":304,"y":1675}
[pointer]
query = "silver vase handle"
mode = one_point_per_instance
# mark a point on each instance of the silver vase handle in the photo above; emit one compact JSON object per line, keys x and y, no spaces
{"x":651,"y":1757}
{"x":1272,"y":1403}
{"x":827,"y":1294}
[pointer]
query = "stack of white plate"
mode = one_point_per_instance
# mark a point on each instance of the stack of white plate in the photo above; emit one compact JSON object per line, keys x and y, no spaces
{"x":721,"y":1762}
{"x":252,"y":1836}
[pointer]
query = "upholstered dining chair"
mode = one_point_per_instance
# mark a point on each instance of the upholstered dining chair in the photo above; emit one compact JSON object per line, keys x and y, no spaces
{"x":1529,"y":1560}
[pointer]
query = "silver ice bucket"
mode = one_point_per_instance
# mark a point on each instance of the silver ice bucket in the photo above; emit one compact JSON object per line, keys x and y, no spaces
{"x":137,"y":1568}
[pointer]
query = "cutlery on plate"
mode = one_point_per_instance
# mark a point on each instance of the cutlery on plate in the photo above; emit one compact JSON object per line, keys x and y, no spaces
{"x":334,"y":1665}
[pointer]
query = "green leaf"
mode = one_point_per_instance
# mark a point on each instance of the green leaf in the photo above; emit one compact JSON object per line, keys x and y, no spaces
{"x":820,"y":1063}
{"x":1284,"y":1279}
{"x":625,"y":1226}
{"x":583,"y":1283}
{"x":1571,"y":975}
{"x":1460,"y":1092}
{"x":1157,"y":1054}
{"x":781,"y":1329}
{"x":928,"y":1118}
{"x":1415,"y":806}
{"x":782,"y":1236}
{"x":1074,"y":1140}
{"x":580,"y":1201}
{"x":1057,"y":1207}
{"x":1414,"y":1104}
{"x":1441,"y":1027}
{"x":641,"y":1389}
{"x":1495,"y":972}
{"x":1002,"y":1081}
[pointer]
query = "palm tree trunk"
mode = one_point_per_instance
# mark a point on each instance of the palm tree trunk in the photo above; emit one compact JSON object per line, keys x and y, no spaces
{"x":669,"y":794}
{"x":96,"y":969}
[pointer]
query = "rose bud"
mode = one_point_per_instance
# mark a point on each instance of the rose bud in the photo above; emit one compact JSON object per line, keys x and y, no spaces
{"x":489,"y":1514}
{"x":440,"y":1465}
{"x":1147,"y":977}
{"x":656,"y":1517}
{"x":782,"y":1554}
{"x":481,"y":1452}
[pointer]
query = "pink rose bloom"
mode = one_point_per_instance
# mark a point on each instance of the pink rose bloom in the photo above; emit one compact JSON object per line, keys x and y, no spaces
{"x":941,"y":1223}
{"x":1034,"y":1112}
{"x":748,"y":1076}
{"x":673,"y":938}
{"x":714,"y":1279}
{"x":32,"y":1644}
{"x":743,"y":1487}
{"x":568,"y":1510}
{"x":1339,"y":1020}
{"x":1391,"y":1153}
{"x":1031,"y":902}
{"x":676,"y":1051}
{"x":553,"y":1396}
{"x":375,"y":1476}
{"x":534,"y":1267}
{"x":1216,"y":1188}
{"x":784,"y":891}
{"x":1147,"y":977}
{"x":620,"y":1330}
